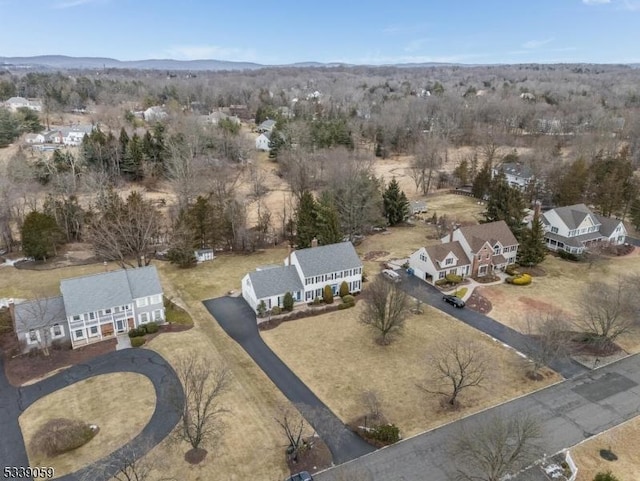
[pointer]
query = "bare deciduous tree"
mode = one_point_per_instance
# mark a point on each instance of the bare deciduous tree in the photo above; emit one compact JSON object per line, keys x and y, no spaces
{"x":371,"y":400}
{"x":549,"y":340}
{"x":608,"y":310}
{"x":41,"y":319}
{"x":125,"y":230}
{"x":493,"y":448}
{"x":385,"y":308}
{"x":293,"y":426}
{"x":459,"y":365}
{"x":132,"y":462}
{"x":203,"y":384}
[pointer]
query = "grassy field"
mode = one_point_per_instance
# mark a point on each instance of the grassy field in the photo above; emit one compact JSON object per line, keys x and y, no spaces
{"x":459,"y":208}
{"x":102,"y":400}
{"x":560,"y":290}
{"x":337,"y":357}
{"x":623,"y":441}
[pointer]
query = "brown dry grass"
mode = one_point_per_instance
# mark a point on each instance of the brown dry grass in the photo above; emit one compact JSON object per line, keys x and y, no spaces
{"x":352,"y":362}
{"x":23,"y":283}
{"x":459,"y":208}
{"x":102,"y":400}
{"x":623,"y":441}
{"x":560,"y":290}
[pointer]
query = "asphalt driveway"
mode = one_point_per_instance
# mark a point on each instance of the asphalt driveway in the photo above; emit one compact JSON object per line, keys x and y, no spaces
{"x":428,"y":294}
{"x":169,"y":399}
{"x":239,"y":321}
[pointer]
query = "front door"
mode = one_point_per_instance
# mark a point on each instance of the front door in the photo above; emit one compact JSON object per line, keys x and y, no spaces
{"x":120,"y":326}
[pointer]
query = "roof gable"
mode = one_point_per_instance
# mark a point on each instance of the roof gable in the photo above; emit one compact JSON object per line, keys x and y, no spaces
{"x":316,"y":261}
{"x":438,"y":253}
{"x":39,"y":313}
{"x":275,"y":281}
{"x":491,"y":232}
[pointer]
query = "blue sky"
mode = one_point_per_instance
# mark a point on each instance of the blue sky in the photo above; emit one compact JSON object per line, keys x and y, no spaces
{"x":285,"y":31}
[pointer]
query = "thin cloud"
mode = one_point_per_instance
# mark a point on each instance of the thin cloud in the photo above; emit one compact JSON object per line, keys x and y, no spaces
{"x":416,"y":44}
{"x":531,"y":44}
{"x":632,"y":5}
{"x":75,"y":3}
{"x":200,"y":52}
{"x":595,"y":2}
{"x":396,"y":29}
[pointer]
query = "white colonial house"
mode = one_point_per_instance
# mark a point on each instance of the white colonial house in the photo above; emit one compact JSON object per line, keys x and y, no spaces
{"x":574,"y":228}
{"x":15,"y":103}
{"x":92,"y":308}
{"x":34,"y":138}
{"x":263,"y":141}
{"x":305,"y":273}
{"x":203,"y":255}
{"x":436,"y":261}
{"x":476,"y":250}
{"x":517,"y":175}
{"x":74,"y":135}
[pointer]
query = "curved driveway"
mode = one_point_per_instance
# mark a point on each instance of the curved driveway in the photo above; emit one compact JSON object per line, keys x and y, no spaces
{"x":428,"y":294}
{"x":169,"y":399}
{"x":239,"y":321}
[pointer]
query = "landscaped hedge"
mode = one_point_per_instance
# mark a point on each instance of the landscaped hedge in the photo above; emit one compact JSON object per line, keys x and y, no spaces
{"x":512,"y":269}
{"x":568,"y":256}
{"x":137,"y":341}
{"x":61,"y":435}
{"x":137,"y":332}
{"x":441,"y":282}
{"x":348,"y":299}
{"x":453,"y":278}
{"x":386,"y":434}
{"x":519,"y":280}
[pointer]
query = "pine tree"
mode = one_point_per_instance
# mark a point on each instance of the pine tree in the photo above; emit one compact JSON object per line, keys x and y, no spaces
{"x":327,"y":221}
{"x":482,"y":182}
{"x":505,"y":203}
{"x":40,"y":236}
{"x":532,"y":250}
{"x":395,"y":203}
{"x":132,"y":163}
{"x":635,"y":213}
{"x":306,"y":216}
{"x":462,"y":172}
{"x":287,"y":302}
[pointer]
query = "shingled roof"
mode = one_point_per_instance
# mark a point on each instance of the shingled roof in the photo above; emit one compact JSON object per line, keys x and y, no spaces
{"x":316,"y":261}
{"x":275,"y":281}
{"x":438,"y":252}
{"x":574,"y":215}
{"x":491,"y":232}
{"x":39,"y":313}
{"x":108,"y":289}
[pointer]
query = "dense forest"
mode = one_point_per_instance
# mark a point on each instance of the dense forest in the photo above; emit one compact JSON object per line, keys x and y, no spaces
{"x":576,"y":127}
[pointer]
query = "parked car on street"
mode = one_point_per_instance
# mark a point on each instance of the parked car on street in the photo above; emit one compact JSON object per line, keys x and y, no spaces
{"x":301,"y":476}
{"x":454,"y":301}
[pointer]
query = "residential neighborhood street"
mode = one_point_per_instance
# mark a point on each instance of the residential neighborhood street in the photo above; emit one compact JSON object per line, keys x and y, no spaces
{"x":239,"y":321}
{"x":569,"y":412}
{"x":428,"y":294}
{"x":169,"y":396}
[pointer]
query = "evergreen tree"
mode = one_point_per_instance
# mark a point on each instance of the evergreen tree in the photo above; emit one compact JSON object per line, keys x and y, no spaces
{"x":131,"y":165}
{"x":635,"y":213}
{"x":505,"y":203}
{"x":395,"y":203}
{"x":28,"y":120}
{"x":306,"y":216}
{"x":40,"y":236}
{"x":327,"y":294}
{"x":327,"y":221}
{"x":482,"y":182}
{"x":532,"y":249}
{"x":462,"y":172}
{"x":123,"y":142}
{"x":287,"y":302}
{"x":570,"y":185}
{"x":8,"y":128}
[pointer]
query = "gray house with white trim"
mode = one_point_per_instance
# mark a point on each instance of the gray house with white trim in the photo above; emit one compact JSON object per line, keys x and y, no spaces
{"x":305,"y":274}
{"x":92,"y":308}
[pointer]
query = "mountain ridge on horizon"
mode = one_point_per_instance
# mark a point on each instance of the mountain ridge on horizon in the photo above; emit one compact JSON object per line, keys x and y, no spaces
{"x":80,"y":63}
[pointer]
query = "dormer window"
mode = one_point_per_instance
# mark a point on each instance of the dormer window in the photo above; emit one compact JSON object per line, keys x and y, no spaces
{"x":448,"y":261}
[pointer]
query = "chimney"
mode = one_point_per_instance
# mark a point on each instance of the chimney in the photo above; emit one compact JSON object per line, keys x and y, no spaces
{"x":314,"y":242}
{"x":12,"y":312}
{"x":289,"y":255}
{"x":537,"y":207}
{"x":451,"y":232}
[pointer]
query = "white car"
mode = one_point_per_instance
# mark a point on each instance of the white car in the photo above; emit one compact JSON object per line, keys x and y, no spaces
{"x":391,"y":275}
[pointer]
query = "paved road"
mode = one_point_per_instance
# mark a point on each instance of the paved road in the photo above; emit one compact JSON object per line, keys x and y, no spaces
{"x":169,"y":398}
{"x":432,"y":296}
{"x":570,"y":412}
{"x":239,"y":321}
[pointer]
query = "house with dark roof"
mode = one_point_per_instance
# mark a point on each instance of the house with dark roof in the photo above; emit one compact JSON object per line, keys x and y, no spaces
{"x":92,"y":308}
{"x":475,"y":250}
{"x":574,"y":228}
{"x":267,"y":126}
{"x":304,"y":274}
{"x":517,"y":174}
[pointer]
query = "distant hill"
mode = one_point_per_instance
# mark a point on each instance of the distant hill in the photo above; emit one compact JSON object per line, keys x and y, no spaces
{"x":64,"y":62}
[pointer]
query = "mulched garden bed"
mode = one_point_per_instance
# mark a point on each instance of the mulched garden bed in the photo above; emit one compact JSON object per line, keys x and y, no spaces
{"x":316,"y":458}
{"x":373,"y":255}
{"x":535,"y":271}
{"x":486,"y":279}
{"x":477,"y":302}
{"x":25,"y":367}
{"x":370,"y":422}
